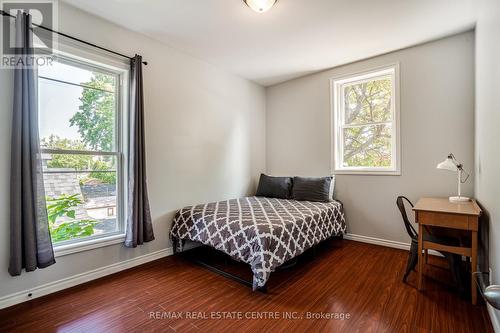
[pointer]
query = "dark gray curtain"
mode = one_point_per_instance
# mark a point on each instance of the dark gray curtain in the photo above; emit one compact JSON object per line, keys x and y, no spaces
{"x":30,"y":244}
{"x":139,"y":224}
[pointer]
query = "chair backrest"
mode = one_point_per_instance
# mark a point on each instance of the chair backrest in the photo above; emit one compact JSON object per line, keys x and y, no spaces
{"x":401,"y":205}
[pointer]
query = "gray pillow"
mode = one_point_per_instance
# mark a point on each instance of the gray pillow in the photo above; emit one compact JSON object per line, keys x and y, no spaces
{"x":313,"y":188}
{"x":274,"y":187}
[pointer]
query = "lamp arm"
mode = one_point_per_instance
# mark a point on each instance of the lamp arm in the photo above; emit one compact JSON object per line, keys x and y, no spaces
{"x":455,"y":161}
{"x":467,"y":175}
{"x":460,"y":167}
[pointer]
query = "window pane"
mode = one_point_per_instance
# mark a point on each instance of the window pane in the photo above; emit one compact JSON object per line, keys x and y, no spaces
{"x":367,"y":146}
{"x":368,"y":102}
{"x":76,"y":75}
{"x":81,"y":192}
{"x":77,"y":118}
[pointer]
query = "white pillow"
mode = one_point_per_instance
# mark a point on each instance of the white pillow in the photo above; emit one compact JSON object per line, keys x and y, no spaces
{"x":332,"y":188}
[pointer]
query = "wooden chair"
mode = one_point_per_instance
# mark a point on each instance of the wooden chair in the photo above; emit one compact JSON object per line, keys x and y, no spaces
{"x":453,"y":259}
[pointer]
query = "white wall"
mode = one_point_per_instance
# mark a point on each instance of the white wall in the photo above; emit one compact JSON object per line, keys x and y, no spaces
{"x":437,"y":103}
{"x":205,"y":141}
{"x":487,"y":187}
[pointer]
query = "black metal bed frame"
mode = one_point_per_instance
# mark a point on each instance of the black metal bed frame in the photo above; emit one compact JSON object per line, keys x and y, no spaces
{"x":292,"y":262}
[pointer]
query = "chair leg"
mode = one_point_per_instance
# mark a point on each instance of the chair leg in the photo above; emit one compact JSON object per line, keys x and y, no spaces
{"x":412,"y":259}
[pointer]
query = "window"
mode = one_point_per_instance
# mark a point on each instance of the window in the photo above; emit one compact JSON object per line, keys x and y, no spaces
{"x":366,"y":122}
{"x":81,"y":131}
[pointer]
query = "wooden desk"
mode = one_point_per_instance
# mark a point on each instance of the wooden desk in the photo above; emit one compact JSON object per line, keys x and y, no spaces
{"x":440,"y":212}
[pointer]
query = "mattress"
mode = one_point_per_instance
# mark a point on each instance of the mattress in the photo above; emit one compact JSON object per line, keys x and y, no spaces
{"x":262,"y":232}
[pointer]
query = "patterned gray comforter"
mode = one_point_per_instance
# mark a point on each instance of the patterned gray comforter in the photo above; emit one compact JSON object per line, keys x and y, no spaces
{"x":262,"y":232}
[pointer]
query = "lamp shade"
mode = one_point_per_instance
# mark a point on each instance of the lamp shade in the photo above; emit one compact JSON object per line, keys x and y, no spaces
{"x":260,"y":6}
{"x":448,"y":164}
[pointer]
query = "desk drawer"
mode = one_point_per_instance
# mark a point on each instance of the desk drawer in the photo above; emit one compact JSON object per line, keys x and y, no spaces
{"x":455,"y":221}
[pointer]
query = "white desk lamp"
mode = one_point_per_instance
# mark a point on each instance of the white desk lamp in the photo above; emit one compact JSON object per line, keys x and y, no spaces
{"x":451,"y":164}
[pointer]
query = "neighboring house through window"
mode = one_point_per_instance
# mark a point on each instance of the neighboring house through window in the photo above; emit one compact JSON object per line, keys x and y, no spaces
{"x":81,"y":117}
{"x":365,"y":122}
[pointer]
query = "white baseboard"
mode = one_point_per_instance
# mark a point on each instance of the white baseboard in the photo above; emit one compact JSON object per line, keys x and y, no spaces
{"x":495,"y":322}
{"x":51,"y":287}
{"x":384,"y":242}
{"x":377,"y":241}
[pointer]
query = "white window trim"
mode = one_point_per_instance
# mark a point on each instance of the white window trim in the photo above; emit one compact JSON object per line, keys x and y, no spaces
{"x":88,"y":244}
{"x":335,"y":114}
{"x":89,"y":58}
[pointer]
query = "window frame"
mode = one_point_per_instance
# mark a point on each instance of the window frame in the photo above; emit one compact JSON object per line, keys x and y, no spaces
{"x":337,"y":120}
{"x":83,"y":58}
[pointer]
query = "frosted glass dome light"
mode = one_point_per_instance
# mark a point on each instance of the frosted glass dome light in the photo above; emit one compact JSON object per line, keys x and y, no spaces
{"x":260,"y":6}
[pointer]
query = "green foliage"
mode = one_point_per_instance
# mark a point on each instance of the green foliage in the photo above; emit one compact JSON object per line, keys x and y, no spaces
{"x":368,"y":146}
{"x":62,"y":206}
{"x":366,"y":143}
{"x":368,"y":102}
{"x":95,"y":120}
{"x":56,"y":142}
{"x":77,"y":162}
{"x":104,"y":177}
{"x":71,"y":230}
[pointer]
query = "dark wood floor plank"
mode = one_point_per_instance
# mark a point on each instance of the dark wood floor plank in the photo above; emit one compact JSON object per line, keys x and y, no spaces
{"x":343,"y":277}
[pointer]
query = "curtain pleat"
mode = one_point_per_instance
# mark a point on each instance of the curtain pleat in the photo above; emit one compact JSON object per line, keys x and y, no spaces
{"x":139,"y":224}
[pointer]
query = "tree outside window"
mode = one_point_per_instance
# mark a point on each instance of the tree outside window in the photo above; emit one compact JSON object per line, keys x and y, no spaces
{"x":78,"y":108}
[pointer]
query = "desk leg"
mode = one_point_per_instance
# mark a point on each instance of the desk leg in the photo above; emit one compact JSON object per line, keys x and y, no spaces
{"x":420,"y":261}
{"x":474,"y":267}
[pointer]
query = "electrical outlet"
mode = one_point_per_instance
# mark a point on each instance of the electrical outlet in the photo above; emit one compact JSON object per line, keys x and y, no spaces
{"x":490,"y":276}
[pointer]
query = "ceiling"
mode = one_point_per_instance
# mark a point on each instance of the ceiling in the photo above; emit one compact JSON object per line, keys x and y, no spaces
{"x":294,"y":38}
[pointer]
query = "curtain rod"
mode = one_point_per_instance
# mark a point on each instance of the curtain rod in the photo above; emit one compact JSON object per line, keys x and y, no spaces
{"x":74,"y":38}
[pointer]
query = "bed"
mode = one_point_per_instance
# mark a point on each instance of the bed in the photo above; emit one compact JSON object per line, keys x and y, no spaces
{"x":262,"y":232}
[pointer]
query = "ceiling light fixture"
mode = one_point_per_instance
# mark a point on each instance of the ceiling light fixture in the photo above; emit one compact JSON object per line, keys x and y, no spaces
{"x":260,"y":6}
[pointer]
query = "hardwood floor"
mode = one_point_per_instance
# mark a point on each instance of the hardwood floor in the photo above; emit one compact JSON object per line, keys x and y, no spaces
{"x":345,"y":277}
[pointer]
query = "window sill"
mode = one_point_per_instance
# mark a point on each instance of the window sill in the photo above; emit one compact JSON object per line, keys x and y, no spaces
{"x":63,"y":250}
{"x":368,"y":172}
